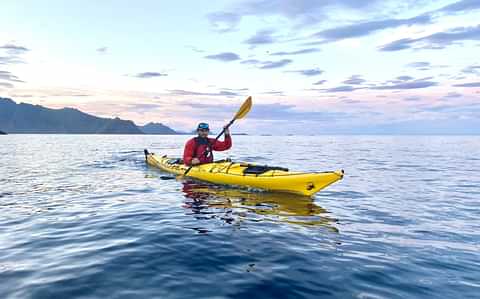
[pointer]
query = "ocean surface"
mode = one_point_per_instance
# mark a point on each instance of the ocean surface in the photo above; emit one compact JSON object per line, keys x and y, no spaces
{"x":82,"y":216}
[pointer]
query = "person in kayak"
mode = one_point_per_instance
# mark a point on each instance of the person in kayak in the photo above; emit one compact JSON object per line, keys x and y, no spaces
{"x":195,"y":148}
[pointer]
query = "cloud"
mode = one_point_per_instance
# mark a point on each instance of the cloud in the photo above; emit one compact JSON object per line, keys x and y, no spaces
{"x":14,"y":96}
{"x":472,"y":69}
{"x":467,"y":108}
{"x":7,"y":76}
{"x":76,"y":95}
{"x":453,"y":95}
{"x":239,"y":90}
{"x":225,"y":56}
{"x":6,"y":84}
{"x":147,"y":107}
{"x":424,"y":65}
{"x":404,"y":78}
{"x":343,"y":88}
{"x":102,"y":50}
{"x":399,"y":83}
{"x":195,"y":49}
{"x":354,"y":80}
{"x":446,"y":125}
{"x":419,"y":64}
{"x":417,"y":84}
{"x":251,"y":61}
{"x":321,"y":82}
{"x":262,"y":37}
{"x":291,"y":8}
{"x":278,"y":111}
{"x":366,"y":28}
{"x":14,"y":49}
{"x":147,"y":75}
{"x":472,"y":84}
{"x":438,"y":40}
{"x":224,"y":93}
{"x":397,"y":45}
{"x":298,"y":52}
{"x":349,"y":101}
{"x":274,"y":92}
{"x":306,"y":12}
{"x":275,"y":64}
{"x":458,"y":77}
{"x":267,"y":64}
{"x":268,"y":112}
{"x":308,"y":72}
{"x":412,"y":99}
{"x":224,"y":21}
{"x":58,"y":92}
{"x":13,"y":54}
{"x":460,"y":6}
{"x":5,"y":60}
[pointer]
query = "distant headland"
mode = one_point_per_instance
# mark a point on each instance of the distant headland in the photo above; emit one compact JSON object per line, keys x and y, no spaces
{"x":35,"y":119}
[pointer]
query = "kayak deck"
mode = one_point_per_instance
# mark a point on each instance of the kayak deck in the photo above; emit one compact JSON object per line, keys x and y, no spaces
{"x":226,"y":172}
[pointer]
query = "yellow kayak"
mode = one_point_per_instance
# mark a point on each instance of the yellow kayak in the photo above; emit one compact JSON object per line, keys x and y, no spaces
{"x":226,"y":172}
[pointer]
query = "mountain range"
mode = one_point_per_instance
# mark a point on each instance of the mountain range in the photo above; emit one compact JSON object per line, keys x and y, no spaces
{"x":158,"y":128}
{"x":35,"y":119}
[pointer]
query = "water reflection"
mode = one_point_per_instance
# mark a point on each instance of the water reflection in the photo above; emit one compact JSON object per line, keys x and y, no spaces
{"x":233,"y":206}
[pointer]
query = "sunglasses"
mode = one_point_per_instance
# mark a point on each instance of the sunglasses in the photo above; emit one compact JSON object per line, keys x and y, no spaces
{"x":203,"y":130}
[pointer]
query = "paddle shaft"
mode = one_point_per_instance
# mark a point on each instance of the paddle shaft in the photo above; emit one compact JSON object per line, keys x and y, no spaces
{"x":224,"y":128}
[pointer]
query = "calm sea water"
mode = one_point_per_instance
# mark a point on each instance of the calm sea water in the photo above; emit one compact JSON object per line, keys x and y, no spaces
{"x":84,"y":217}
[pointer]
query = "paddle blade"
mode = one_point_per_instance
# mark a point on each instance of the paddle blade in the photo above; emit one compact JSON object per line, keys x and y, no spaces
{"x":246,"y":106}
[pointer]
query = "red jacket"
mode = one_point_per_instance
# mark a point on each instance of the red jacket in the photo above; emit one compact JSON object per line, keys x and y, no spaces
{"x":194,"y":149}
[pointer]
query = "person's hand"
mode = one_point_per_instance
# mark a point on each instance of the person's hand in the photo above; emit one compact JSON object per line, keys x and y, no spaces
{"x":195,"y":161}
{"x":227,"y":131}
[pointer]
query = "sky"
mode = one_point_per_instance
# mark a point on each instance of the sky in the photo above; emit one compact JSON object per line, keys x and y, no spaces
{"x":311,"y":66}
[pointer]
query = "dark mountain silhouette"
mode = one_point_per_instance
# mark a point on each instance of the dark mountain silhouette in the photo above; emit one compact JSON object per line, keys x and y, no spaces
{"x":157,"y":128}
{"x":27,"y":118}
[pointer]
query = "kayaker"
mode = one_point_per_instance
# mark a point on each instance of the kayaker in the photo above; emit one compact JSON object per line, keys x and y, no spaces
{"x":195,"y":148}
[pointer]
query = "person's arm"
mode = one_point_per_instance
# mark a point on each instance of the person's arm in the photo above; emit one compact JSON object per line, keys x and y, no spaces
{"x":188,"y":152}
{"x":225,"y":144}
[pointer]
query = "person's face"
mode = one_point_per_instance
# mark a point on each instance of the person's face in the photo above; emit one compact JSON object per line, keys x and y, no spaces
{"x":203,"y":132}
